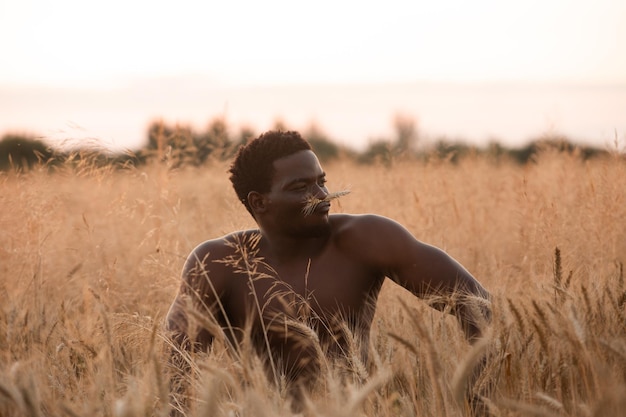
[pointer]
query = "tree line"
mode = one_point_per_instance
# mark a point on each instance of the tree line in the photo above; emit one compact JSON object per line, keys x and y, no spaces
{"x":179,"y":145}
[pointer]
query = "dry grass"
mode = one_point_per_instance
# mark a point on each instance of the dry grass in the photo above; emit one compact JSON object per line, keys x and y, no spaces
{"x":90,"y":259}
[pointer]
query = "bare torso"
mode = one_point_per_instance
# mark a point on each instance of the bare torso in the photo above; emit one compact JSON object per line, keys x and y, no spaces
{"x":332,"y":292}
{"x":313,"y":299}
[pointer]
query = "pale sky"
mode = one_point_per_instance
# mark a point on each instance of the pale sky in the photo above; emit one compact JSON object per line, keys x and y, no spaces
{"x":64,"y":48}
{"x":78,"y":42}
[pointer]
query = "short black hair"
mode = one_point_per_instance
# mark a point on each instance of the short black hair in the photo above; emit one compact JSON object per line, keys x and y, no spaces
{"x":253,"y":166}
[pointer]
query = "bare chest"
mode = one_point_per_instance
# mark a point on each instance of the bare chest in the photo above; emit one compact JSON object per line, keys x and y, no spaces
{"x":327,"y":285}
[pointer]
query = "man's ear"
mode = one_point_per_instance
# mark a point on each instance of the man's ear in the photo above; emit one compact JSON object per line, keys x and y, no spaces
{"x":257,"y":202}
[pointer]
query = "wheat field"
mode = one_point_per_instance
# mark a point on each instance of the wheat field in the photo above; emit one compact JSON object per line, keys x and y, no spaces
{"x":90,"y":259}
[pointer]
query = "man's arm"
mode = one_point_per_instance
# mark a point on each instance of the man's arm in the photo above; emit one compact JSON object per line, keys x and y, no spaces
{"x":435,"y":275}
{"x":195,"y":298}
{"x":190,"y":323}
{"x":426,"y":271}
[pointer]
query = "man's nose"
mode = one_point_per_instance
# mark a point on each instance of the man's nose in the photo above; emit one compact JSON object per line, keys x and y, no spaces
{"x":320,"y":192}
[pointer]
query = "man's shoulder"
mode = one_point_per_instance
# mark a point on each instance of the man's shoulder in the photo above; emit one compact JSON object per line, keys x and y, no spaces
{"x":364,"y":227}
{"x":224,"y":246}
{"x":373,"y":239}
{"x":216,"y":257}
{"x":359,"y":222}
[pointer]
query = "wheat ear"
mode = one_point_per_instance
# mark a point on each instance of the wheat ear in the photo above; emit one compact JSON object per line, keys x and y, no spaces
{"x":311,"y":202}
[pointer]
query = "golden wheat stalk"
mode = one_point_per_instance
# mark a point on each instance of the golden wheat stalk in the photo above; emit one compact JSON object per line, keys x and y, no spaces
{"x":311,"y":202}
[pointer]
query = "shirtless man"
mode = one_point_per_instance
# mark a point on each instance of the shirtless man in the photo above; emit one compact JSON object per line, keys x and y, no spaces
{"x":306,"y":266}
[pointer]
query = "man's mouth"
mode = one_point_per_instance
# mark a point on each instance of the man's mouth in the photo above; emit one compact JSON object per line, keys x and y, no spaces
{"x":322,"y":207}
{"x":313,"y":204}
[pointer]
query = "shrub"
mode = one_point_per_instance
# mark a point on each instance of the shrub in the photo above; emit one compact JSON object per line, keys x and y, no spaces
{"x":22,"y":153}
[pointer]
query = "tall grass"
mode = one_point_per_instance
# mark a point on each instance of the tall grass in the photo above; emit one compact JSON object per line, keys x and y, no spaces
{"x":90,"y":259}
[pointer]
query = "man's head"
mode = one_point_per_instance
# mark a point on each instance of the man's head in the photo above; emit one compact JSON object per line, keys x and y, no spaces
{"x":253,"y":167}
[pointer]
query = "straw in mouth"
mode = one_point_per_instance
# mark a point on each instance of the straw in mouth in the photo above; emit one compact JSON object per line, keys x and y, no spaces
{"x":311,"y":202}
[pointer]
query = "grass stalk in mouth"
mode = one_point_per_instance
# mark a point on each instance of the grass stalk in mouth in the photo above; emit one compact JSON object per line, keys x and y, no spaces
{"x":311,"y":202}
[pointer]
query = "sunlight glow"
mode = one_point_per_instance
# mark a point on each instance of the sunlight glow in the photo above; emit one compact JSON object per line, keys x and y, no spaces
{"x":103,"y":70}
{"x":75,"y":42}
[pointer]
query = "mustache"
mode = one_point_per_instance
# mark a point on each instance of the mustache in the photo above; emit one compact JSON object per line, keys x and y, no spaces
{"x":311,"y":202}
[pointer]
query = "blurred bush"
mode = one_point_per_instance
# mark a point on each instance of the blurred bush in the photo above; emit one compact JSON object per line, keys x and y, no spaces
{"x":182,"y":145}
{"x":22,"y":153}
{"x":179,"y":145}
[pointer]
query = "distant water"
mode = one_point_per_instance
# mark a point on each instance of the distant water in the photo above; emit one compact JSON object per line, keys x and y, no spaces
{"x":353,"y":115}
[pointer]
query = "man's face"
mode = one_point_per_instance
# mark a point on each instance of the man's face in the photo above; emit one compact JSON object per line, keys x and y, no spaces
{"x":298,"y":177}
